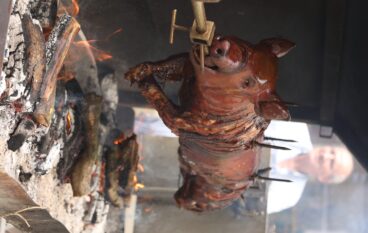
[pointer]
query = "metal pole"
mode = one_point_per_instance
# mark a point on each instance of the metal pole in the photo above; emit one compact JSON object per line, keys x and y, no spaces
{"x":200,"y":16}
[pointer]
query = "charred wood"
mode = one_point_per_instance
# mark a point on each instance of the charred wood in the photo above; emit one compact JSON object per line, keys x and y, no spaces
{"x":74,"y":141}
{"x":81,"y":174}
{"x":45,"y":12}
{"x":35,"y":63}
{"x":25,"y":128}
{"x":121,"y":168}
{"x":57,"y":47}
{"x":56,"y":127}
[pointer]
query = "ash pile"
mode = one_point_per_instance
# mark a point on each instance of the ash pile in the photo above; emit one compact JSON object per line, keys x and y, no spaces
{"x":60,"y":151}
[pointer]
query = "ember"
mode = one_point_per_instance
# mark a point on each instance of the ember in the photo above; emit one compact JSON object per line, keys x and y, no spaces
{"x":120,"y":139}
{"x":68,"y":123}
{"x":119,"y":30}
{"x":136,"y":184}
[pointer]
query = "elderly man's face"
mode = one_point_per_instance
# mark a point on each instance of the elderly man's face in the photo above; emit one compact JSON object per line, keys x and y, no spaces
{"x":331,"y":164}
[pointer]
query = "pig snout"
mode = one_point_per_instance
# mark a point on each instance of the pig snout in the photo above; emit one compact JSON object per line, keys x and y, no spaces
{"x":219,"y":48}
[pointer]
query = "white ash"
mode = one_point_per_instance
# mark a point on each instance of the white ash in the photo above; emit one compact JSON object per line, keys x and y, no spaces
{"x":21,"y":6}
{"x":98,"y":207}
{"x":52,"y":159}
{"x":14,"y":65}
{"x":2,"y":82}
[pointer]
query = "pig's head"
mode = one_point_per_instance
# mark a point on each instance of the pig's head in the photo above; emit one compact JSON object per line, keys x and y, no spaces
{"x":238,"y":72}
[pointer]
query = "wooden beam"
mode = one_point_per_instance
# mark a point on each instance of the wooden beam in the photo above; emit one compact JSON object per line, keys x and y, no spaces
{"x":20,"y":210}
{"x":4,"y":20}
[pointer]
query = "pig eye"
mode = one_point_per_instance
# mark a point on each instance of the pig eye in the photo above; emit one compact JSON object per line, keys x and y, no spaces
{"x":248,"y":82}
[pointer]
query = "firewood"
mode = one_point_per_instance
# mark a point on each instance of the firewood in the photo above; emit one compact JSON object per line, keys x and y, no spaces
{"x":83,"y":169}
{"x":121,"y":168}
{"x":35,"y":67}
{"x":19,"y":209}
{"x":57,"y":47}
{"x":36,"y":54}
{"x":74,"y":141}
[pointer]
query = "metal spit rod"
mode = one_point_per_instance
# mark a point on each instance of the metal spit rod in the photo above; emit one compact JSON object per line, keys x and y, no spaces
{"x":200,"y":16}
{"x":202,"y":30}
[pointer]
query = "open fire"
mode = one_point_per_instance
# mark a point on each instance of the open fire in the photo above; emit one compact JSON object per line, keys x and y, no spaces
{"x":51,"y":108}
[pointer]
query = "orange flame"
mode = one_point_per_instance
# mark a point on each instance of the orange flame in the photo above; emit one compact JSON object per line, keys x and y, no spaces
{"x":113,"y":34}
{"x":97,"y":53}
{"x":72,"y":8}
{"x":137,"y":185}
{"x":68,"y":125}
{"x":75,"y":7}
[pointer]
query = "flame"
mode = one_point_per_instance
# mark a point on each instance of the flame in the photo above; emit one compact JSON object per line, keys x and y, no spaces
{"x":113,"y":34}
{"x":75,"y":7}
{"x":119,"y":139}
{"x":97,"y":53}
{"x":68,"y":125}
{"x":136,"y":184}
{"x":72,"y":8}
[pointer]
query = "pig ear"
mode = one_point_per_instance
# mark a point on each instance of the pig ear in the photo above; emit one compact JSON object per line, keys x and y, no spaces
{"x":273,"y":111}
{"x":279,"y":46}
{"x":272,"y":108}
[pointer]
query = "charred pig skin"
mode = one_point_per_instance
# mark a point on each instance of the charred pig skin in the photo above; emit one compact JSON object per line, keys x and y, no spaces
{"x":224,"y":110}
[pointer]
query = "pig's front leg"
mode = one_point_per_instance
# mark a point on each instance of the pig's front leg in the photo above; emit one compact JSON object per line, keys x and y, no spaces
{"x":168,"y":111}
{"x":175,"y":68}
{"x":171,"y":69}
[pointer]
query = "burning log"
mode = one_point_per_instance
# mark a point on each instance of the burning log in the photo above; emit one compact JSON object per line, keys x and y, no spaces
{"x":19,"y":209}
{"x":57,"y":47}
{"x":81,"y":174}
{"x":35,"y":68}
{"x":74,"y":132}
{"x":35,"y":83}
{"x":121,"y":168}
{"x":36,"y":54}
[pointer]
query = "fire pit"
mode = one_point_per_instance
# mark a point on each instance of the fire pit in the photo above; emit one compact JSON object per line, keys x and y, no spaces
{"x":57,"y":108}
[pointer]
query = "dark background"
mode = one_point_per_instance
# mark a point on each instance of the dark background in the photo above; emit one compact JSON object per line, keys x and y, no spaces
{"x":324,"y":74}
